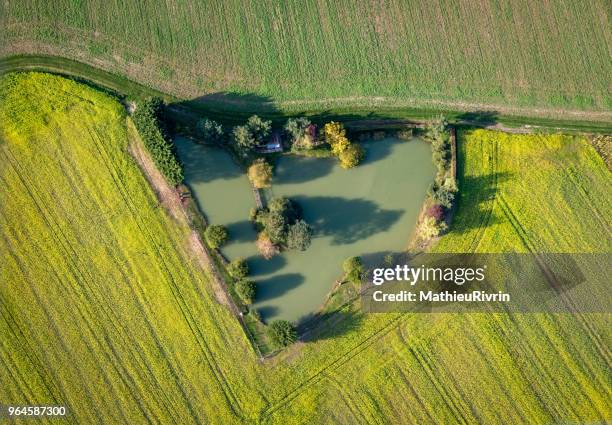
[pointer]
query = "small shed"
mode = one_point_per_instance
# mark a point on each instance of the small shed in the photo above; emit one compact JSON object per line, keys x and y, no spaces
{"x":274,"y":144}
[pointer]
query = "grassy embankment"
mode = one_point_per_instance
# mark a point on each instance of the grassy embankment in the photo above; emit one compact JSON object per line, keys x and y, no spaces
{"x":102,"y":307}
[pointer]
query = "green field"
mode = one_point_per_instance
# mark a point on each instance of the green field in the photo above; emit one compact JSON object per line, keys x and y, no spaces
{"x":103,"y":307}
{"x":505,"y":55}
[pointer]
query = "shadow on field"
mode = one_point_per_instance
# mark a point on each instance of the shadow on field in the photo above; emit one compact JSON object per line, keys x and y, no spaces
{"x":480,"y":118}
{"x":322,"y":326}
{"x":474,"y":193}
{"x":346,"y":220}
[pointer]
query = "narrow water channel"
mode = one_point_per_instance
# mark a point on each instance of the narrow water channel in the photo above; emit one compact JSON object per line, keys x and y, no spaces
{"x":369,"y":210}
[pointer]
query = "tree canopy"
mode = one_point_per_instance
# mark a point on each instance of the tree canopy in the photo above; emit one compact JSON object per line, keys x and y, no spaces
{"x":215,"y":235}
{"x":299,"y":235}
{"x":260,"y":173}
{"x":210,"y":131}
{"x":353,"y":269}
{"x":282,"y":333}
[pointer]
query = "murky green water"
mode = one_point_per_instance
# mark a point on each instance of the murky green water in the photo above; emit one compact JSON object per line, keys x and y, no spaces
{"x":367,"y":211}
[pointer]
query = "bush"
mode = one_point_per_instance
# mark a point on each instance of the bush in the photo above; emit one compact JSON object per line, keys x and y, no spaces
{"x":430,"y":228}
{"x":443,"y":196}
{"x":253,"y":214}
{"x":299,"y":236}
{"x":260,"y":174}
{"x":282,"y":333}
{"x":210,"y":131}
{"x":436,"y":211}
{"x":238,"y":268}
{"x":437,"y":129}
{"x":353,"y":269}
{"x":246,"y":290}
{"x":150,"y":127}
{"x":215,"y":235}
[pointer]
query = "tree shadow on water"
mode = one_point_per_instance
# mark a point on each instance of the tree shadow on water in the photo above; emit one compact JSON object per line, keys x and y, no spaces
{"x":205,"y":163}
{"x":307,"y":169}
{"x":259,"y":266}
{"x":346,"y":220}
{"x":277,"y":285}
{"x":240,"y":231}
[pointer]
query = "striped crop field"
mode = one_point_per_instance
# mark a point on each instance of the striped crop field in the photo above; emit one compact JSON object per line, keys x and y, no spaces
{"x":104,"y":308}
{"x":318,"y":54}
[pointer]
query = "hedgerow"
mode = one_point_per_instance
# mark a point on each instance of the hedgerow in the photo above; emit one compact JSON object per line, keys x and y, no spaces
{"x":147,"y":120}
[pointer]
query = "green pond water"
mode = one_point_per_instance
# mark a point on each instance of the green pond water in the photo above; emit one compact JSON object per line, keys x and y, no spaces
{"x":369,"y":211}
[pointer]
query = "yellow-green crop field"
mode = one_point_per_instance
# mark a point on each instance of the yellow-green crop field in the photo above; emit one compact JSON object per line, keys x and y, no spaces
{"x":103,"y":308}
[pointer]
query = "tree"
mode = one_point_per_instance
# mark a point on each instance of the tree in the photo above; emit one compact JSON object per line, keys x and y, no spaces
{"x":340,"y":145}
{"x":260,"y":173}
{"x":253,"y":133}
{"x":246,"y":290}
{"x":275,"y":227}
{"x":265,"y":246}
{"x":333,"y":130}
{"x":210,"y":131}
{"x":353,"y":269}
{"x":430,"y":228}
{"x":299,"y":236}
{"x":296,"y":129}
{"x":437,"y":129}
{"x":258,"y":128}
{"x":243,"y":139}
{"x":216,"y":235}
{"x":348,"y":154}
{"x":351,"y":156}
{"x":238,"y":268}
{"x":282,"y":333}
{"x":285,"y":207}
